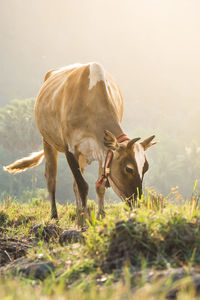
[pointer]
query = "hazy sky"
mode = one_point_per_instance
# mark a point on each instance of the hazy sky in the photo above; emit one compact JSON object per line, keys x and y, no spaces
{"x":152,"y":47}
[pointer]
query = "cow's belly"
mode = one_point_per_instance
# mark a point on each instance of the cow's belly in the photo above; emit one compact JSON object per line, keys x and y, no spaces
{"x":49,"y":125}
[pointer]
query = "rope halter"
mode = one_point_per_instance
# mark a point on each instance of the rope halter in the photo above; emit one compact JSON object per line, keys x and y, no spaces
{"x":109,"y":156}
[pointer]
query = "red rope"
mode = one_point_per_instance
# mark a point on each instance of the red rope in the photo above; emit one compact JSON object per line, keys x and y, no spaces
{"x":106,"y":165}
{"x":121,"y":138}
{"x":122,"y":134}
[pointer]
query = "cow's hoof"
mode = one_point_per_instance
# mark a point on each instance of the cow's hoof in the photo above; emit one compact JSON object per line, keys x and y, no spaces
{"x":101,"y":214}
{"x":55,"y":217}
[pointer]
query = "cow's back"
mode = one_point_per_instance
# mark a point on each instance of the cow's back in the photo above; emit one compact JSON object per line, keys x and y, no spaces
{"x":76,"y":100}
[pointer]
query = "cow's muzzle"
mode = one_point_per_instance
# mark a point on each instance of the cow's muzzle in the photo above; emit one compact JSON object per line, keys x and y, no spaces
{"x":132,"y":201}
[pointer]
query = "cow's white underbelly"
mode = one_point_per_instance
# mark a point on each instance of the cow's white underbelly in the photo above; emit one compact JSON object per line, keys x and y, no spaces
{"x":86,"y":146}
{"x":90,"y":149}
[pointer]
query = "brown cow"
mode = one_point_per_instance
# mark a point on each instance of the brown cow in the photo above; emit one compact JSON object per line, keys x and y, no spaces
{"x":78,"y":111}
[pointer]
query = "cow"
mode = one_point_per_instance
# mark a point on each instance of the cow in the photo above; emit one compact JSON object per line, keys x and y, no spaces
{"x":78,"y":111}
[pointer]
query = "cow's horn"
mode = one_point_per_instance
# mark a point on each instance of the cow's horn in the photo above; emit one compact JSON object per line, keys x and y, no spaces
{"x":133,"y":141}
{"x":147,"y":143}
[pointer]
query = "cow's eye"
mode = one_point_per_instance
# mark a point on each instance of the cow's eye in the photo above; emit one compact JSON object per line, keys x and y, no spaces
{"x":129,"y":170}
{"x":146,"y":166}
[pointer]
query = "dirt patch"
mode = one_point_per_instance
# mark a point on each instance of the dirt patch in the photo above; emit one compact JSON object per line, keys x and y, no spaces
{"x":129,"y":240}
{"x":11,"y":249}
{"x":46,"y":233}
{"x":132,"y":242}
{"x":178,"y":237}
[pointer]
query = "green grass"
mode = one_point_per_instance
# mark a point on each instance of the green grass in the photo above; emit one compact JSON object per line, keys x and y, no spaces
{"x":163,"y":233}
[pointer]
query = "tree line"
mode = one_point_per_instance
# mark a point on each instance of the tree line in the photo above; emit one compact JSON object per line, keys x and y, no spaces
{"x":172,"y":161}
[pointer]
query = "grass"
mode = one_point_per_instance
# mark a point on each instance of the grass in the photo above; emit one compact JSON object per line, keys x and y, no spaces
{"x":118,"y":252}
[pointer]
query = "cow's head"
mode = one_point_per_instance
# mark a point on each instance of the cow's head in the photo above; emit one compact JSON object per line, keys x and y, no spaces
{"x":129,"y":164}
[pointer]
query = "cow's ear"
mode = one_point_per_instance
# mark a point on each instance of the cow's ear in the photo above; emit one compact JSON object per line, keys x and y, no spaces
{"x":146,"y":144}
{"x":110,"y":140}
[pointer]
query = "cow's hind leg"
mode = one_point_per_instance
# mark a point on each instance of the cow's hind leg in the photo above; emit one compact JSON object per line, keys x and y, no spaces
{"x":80,"y":185}
{"x":100,"y":190}
{"x":51,"y":155}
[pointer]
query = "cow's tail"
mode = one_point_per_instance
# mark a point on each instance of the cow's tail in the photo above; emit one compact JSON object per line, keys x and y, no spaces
{"x":21,"y":165}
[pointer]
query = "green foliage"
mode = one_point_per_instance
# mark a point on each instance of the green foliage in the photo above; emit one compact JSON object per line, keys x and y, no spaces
{"x":36,"y":196}
{"x":17,"y":126}
{"x":160,"y":235}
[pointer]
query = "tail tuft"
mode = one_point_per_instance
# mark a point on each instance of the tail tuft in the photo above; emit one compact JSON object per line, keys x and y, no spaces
{"x":21,"y":165}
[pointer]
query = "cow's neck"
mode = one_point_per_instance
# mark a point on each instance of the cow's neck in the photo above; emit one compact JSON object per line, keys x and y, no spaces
{"x":93,"y":148}
{"x":113,"y":126}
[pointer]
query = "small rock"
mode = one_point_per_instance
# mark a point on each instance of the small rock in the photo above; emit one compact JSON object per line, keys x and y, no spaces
{"x":70,"y":236}
{"x":37,"y":270}
{"x":28,"y":268}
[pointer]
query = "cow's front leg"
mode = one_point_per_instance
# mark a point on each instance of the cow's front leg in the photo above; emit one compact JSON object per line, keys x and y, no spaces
{"x":80,"y":186}
{"x":100,"y":190}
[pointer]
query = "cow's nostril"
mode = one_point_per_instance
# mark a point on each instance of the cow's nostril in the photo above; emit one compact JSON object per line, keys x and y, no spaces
{"x":129,"y":201}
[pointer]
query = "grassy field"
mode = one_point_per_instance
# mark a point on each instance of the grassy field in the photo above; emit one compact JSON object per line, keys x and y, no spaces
{"x":151,"y":252}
